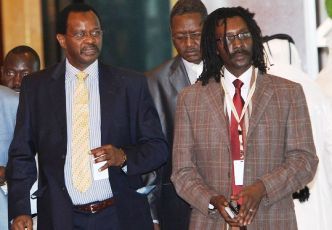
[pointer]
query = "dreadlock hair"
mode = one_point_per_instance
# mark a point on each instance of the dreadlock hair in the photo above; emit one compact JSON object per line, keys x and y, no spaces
{"x":212,"y":63}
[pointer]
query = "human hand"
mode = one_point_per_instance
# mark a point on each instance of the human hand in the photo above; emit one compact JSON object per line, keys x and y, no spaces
{"x":112,"y":155}
{"x":22,"y":222}
{"x":251,"y":198}
{"x":220,"y":202}
{"x":156,"y":226}
{"x":2,"y":175}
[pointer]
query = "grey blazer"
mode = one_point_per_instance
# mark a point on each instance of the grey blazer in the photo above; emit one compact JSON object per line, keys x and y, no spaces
{"x":165,"y":83}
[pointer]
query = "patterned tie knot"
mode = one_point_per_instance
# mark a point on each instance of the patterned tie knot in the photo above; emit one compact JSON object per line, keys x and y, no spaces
{"x":237,"y":84}
{"x":81,"y":76}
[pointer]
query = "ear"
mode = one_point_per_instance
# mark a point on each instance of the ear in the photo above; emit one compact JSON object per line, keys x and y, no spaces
{"x":62,"y":41}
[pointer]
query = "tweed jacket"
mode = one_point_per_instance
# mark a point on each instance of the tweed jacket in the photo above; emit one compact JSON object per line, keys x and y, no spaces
{"x":279,"y":150}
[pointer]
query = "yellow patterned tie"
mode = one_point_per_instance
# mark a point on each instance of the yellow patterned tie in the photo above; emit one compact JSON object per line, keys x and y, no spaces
{"x":81,"y":171}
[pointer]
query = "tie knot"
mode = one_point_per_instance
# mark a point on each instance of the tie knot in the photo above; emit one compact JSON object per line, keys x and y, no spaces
{"x":238,"y":84}
{"x":81,"y":75}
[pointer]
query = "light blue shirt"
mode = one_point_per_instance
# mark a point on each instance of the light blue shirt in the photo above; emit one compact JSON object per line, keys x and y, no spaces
{"x":8,"y":108}
{"x":100,"y":189}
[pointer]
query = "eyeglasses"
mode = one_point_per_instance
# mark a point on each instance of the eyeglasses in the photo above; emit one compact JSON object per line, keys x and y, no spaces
{"x":231,"y":38}
{"x":79,"y":35}
{"x":192,"y":36}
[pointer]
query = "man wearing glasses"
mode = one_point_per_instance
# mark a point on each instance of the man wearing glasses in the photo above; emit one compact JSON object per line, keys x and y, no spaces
{"x":95,"y":129}
{"x":165,"y":82}
{"x":242,"y":140}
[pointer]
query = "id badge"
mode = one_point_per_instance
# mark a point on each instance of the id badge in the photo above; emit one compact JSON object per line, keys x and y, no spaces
{"x":238,"y":171}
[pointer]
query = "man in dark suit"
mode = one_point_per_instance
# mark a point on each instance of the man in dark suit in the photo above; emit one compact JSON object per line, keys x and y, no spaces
{"x":241,"y":135}
{"x":100,"y":187}
{"x":165,"y":82}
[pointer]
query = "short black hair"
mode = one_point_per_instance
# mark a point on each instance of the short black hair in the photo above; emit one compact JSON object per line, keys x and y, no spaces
{"x":212,"y":63}
{"x":61,"y":24}
{"x":24,"y":49}
{"x":188,"y":7}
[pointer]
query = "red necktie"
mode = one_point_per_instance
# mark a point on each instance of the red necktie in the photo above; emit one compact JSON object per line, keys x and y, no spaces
{"x":234,"y":131}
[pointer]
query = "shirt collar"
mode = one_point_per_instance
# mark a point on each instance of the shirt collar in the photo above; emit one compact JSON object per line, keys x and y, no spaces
{"x":197,"y":68}
{"x":245,"y":78}
{"x":91,"y":70}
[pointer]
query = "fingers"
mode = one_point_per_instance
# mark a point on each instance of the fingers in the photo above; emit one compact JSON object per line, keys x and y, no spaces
{"x":23,"y":222}
{"x":109,"y":154}
{"x":105,"y":166}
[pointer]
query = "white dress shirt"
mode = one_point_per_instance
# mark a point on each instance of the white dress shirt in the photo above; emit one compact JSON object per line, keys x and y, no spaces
{"x":100,"y":189}
{"x":193,"y":70}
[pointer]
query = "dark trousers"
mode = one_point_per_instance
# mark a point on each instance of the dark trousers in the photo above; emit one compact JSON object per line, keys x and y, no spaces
{"x":106,"y":219}
{"x":174,"y":211}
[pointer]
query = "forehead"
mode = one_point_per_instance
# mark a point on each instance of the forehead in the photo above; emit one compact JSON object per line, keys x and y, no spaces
{"x":186,"y":22}
{"x":233,"y":25}
{"x":82,"y":19}
{"x":20,"y":61}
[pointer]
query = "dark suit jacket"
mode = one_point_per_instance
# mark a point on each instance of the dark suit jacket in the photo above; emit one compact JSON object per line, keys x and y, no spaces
{"x":279,"y":150}
{"x":128,"y":120}
{"x":165,"y":83}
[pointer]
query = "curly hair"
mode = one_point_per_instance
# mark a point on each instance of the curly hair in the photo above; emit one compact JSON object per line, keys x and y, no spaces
{"x":212,"y":63}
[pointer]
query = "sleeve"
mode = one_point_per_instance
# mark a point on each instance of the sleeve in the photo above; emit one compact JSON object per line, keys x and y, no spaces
{"x":21,"y":168}
{"x":186,"y":178}
{"x":8,"y":104}
{"x":151,"y":148}
{"x":300,"y":160}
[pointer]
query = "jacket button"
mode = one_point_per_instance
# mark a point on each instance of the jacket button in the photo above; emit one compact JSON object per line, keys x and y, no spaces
{"x":63,"y":157}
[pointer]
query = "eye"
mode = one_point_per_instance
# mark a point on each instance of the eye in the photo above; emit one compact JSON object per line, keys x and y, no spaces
{"x":79,"y":34}
{"x":25,"y":74}
{"x":10,"y":73}
{"x":179,"y":37}
{"x":96,"y":33}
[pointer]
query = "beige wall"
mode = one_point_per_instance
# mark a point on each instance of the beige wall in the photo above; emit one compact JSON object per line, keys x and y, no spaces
{"x":22,"y":25}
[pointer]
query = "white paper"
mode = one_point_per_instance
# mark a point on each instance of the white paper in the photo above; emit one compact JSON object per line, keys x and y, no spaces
{"x":99,"y":175}
{"x":238,"y":171}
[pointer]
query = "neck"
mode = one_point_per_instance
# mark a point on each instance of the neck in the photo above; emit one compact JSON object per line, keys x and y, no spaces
{"x":237,"y":72}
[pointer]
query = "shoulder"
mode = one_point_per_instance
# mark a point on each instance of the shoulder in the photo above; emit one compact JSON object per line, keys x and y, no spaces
{"x":122,"y":76}
{"x":7,"y":92}
{"x":197,"y":91}
{"x":279,"y":82}
{"x":165,"y":69}
{"x":8,"y":96}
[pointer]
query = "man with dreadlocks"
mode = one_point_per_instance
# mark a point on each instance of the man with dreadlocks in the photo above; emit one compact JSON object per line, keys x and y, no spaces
{"x":242,"y":137}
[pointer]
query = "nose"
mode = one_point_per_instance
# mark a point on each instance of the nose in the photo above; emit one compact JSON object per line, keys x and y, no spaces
{"x":237,"y":43}
{"x":189,"y":41}
{"x":17,"y":80}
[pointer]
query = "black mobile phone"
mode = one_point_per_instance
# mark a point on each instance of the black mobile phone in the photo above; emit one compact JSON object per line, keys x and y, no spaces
{"x":232,"y":209}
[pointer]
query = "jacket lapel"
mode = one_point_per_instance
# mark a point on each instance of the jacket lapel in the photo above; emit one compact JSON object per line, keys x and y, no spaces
{"x":58,"y":96}
{"x":109,"y":84}
{"x":178,"y":76}
{"x":260,"y":101}
{"x":215,"y":99}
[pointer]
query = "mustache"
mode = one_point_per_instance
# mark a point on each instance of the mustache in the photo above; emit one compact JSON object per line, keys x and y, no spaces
{"x":92,"y":46}
{"x":240,"y":51}
{"x":192,"y":50}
